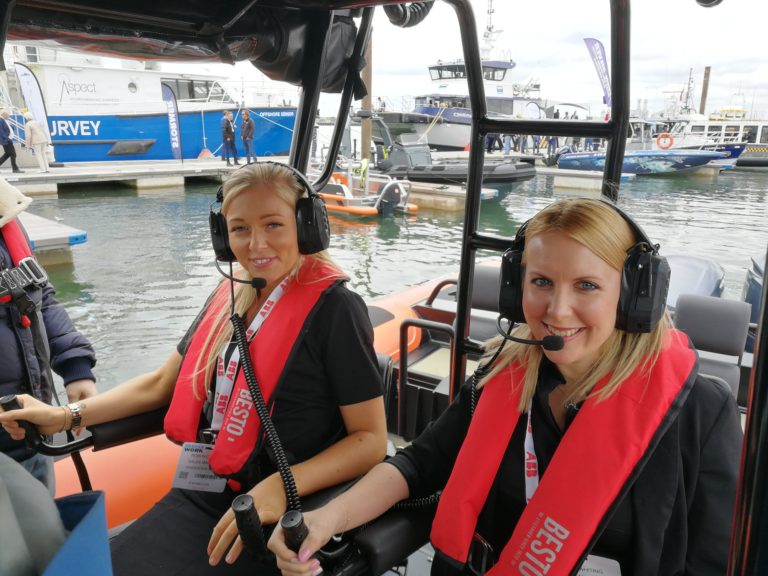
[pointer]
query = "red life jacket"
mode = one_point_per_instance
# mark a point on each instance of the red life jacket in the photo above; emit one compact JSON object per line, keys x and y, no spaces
{"x":275,"y":342}
{"x":18,"y":248}
{"x":17,"y":243}
{"x":597,"y":460}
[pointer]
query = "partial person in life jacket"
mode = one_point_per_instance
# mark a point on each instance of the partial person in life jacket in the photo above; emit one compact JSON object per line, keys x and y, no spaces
{"x":311,"y":345}
{"x":595,"y":447}
{"x":37,"y":336}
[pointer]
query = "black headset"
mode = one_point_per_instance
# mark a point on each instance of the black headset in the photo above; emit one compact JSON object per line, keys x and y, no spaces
{"x":644,"y":281}
{"x":313,"y":230}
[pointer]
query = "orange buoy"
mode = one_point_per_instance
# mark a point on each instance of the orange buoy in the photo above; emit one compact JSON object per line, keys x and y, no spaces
{"x":665,"y":140}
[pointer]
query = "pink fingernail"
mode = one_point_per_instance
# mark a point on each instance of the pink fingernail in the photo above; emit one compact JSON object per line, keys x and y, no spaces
{"x":304,"y":555}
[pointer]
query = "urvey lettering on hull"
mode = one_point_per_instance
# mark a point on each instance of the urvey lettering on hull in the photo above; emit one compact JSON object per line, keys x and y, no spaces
{"x":75,"y":127}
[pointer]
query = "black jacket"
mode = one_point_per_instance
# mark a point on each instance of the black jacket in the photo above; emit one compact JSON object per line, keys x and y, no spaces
{"x":247,"y":129}
{"x":675,"y":520}
{"x":22,"y":369}
{"x":227,"y":129}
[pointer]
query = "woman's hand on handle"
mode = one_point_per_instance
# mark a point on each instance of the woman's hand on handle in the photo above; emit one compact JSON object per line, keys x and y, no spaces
{"x":269,"y":500}
{"x":322,"y":524}
{"x":47,"y":419}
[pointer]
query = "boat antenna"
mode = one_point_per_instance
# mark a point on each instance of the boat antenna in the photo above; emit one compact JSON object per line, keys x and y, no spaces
{"x":490,"y":34}
{"x":489,"y":22}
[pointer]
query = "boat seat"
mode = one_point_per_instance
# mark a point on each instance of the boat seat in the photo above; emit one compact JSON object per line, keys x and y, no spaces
{"x":30,"y":524}
{"x":718,"y":329}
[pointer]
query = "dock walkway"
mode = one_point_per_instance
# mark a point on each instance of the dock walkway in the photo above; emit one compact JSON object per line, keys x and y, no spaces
{"x":134,"y":173}
{"x":51,"y":240}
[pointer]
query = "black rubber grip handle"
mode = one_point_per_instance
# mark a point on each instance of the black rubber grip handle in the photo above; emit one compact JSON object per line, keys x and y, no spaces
{"x":32,"y":438}
{"x":294,"y":528}
{"x":249,"y":525}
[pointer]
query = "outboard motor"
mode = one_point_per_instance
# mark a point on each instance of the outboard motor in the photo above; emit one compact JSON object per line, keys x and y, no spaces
{"x":552,"y":159}
{"x":390,"y":198}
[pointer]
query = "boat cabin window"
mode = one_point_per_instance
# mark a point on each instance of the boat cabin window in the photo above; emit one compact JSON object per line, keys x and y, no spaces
{"x":200,"y":90}
{"x":493,"y":73}
{"x":447,"y":71}
{"x":764,"y":135}
{"x":715,"y":132}
{"x":217,"y":93}
{"x":698,"y":129}
{"x":447,"y":102}
{"x":32,"y":54}
{"x":731,"y":133}
{"x":749,"y":134}
{"x":186,"y":89}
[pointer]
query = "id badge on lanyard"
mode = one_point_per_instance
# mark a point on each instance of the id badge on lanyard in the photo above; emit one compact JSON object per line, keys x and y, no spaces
{"x":225,"y":376}
{"x":593,"y":565}
{"x":193,"y":472}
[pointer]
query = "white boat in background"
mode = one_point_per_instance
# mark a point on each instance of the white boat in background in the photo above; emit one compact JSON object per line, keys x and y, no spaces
{"x":442,"y":117}
{"x":680,"y":125}
{"x":107,"y":109}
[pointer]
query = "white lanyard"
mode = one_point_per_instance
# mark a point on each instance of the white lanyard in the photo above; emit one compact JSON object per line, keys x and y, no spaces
{"x":531,"y":462}
{"x":593,"y":565}
{"x":225,"y":379}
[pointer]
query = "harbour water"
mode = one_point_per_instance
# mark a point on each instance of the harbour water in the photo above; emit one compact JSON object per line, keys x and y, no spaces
{"x":137,"y":284}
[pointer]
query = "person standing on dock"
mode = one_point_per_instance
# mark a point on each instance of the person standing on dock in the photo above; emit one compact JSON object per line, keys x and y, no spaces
{"x":37,"y":140}
{"x":36,"y":333}
{"x":552,"y":144}
{"x":246,"y":133}
{"x":6,"y":141}
{"x":228,"y":139}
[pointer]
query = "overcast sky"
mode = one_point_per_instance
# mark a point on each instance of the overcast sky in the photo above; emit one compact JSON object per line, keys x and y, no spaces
{"x":545,"y":39}
{"x":670,"y":38}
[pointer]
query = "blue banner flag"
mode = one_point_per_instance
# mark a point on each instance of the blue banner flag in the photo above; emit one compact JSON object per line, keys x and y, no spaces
{"x":173,"y":121}
{"x":597,"y":52}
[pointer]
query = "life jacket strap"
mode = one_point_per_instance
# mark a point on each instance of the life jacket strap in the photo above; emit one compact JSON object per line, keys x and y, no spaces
{"x":15,"y":281}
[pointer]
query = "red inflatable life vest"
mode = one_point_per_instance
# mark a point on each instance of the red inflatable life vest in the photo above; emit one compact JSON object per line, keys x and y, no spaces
{"x":598,"y":458}
{"x":270,"y":350}
{"x":17,"y":243}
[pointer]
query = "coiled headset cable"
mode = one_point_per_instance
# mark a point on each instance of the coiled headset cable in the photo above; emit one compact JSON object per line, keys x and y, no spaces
{"x":281,"y":461}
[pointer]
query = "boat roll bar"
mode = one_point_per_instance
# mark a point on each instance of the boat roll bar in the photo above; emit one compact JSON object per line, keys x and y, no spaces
{"x":195,"y":26}
{"x":749,"y":540}
{"x":613,"y":130}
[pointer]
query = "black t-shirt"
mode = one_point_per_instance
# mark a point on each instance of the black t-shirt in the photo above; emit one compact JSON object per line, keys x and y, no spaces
{"x":427,"y":463}
{"x":335,"y":366}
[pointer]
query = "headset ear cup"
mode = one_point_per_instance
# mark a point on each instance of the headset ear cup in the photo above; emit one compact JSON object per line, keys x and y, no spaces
{"x":511,"y":289}
{"x":312,"y":228}
{"x":644,"y":287}
{"x":220,"y":237}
